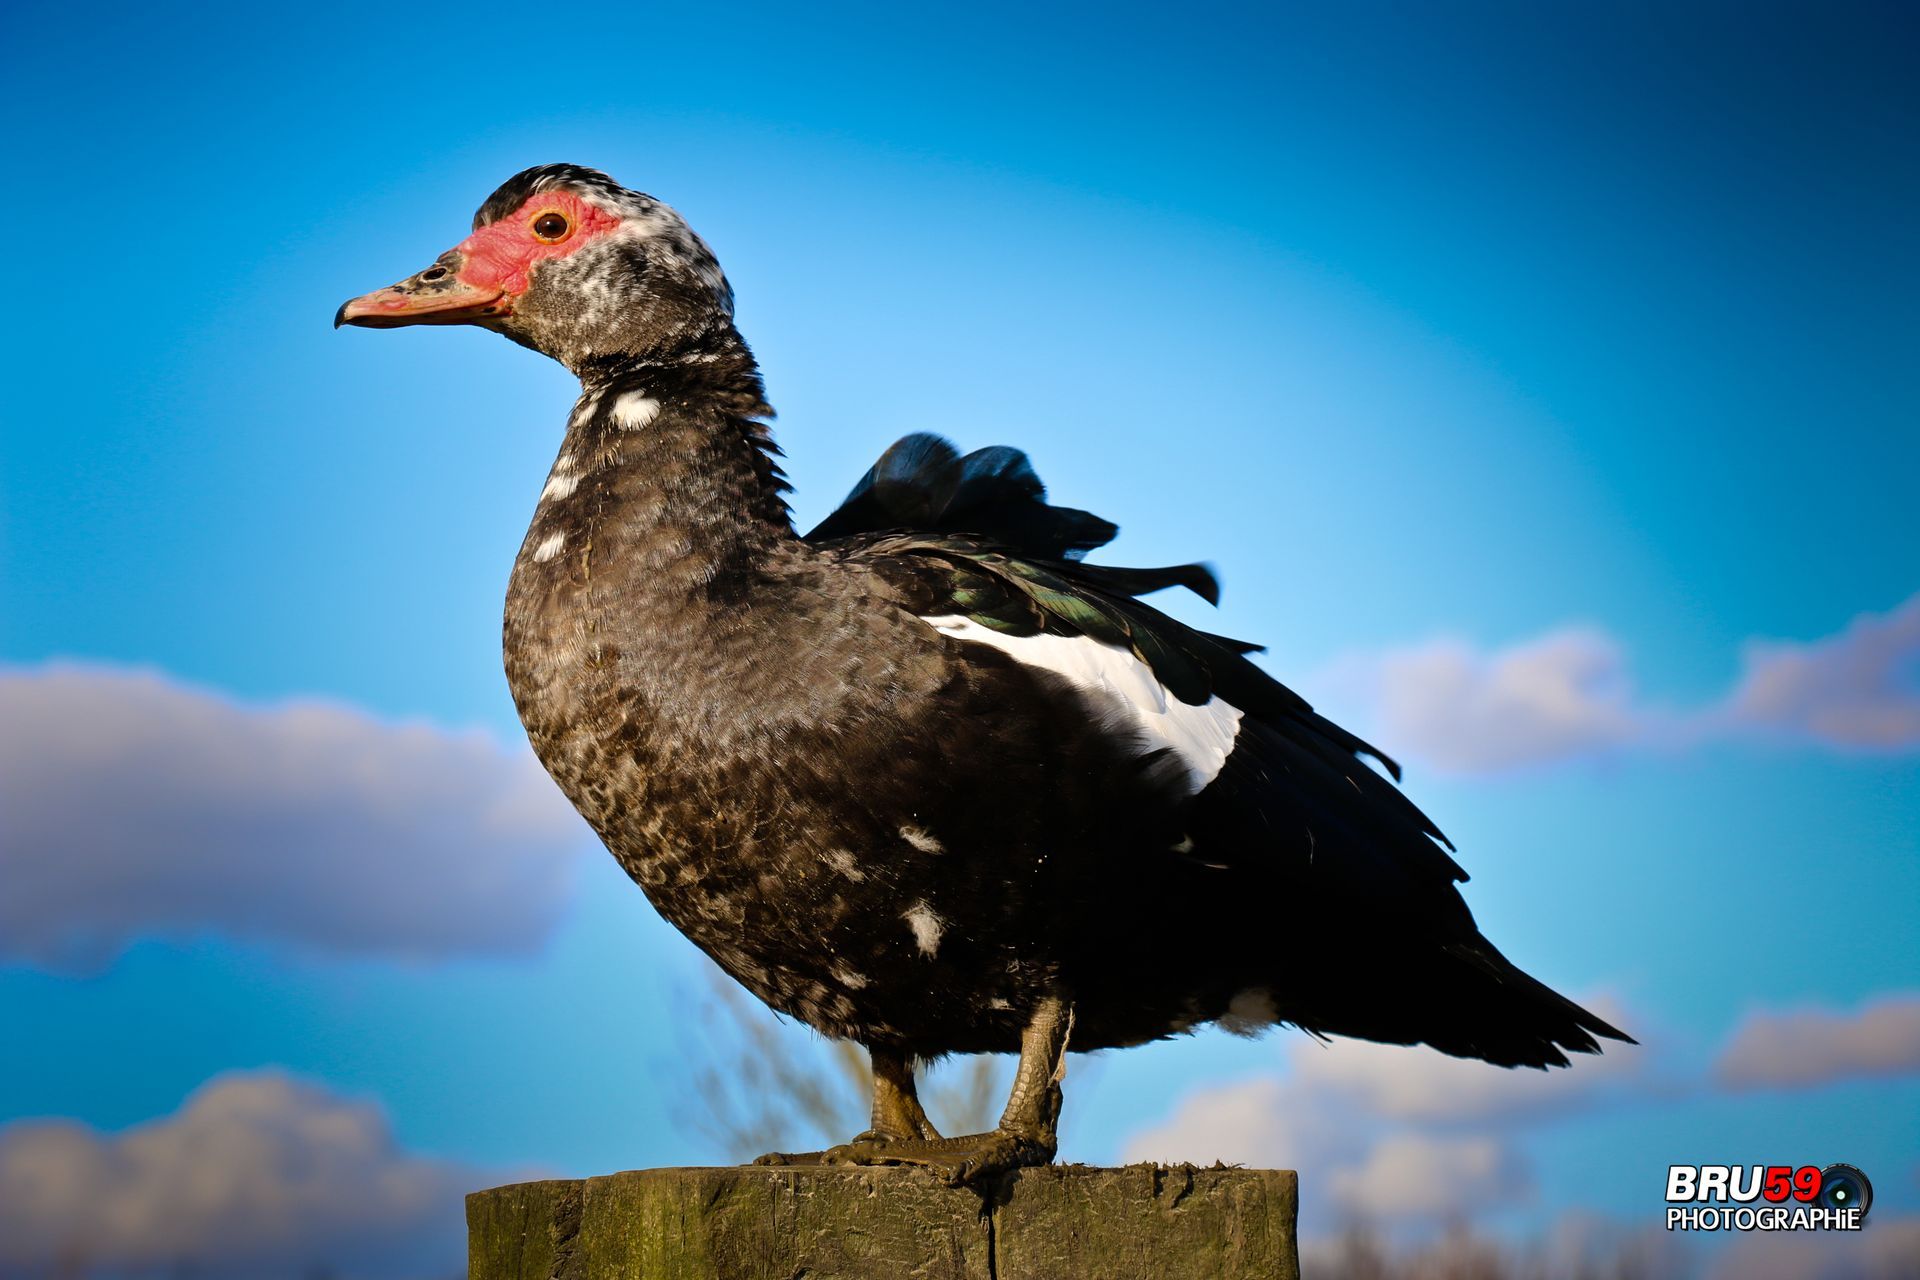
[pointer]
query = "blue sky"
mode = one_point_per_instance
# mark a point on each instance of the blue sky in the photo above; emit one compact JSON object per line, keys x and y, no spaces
{"x":1518,"y":367}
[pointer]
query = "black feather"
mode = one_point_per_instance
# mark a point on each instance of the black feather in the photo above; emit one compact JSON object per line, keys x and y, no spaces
{"x":1197,"y":578}
{"x":922,"y":483}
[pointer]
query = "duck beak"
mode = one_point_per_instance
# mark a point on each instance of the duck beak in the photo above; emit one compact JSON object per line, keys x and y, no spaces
{"x":435,"y":296}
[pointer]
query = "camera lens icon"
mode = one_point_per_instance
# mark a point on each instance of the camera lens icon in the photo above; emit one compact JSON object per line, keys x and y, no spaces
{"x":1844,"y":1187}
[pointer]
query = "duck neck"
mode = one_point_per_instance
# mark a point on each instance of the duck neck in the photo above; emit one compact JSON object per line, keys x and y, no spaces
{"x":667,"y":479}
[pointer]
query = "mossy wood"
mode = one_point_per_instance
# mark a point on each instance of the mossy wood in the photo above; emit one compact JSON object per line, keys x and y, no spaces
{"x":1064,"y":1222}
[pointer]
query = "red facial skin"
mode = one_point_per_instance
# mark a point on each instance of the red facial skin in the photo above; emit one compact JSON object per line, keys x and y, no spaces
{"x":501,"y":254}
{"x":496,"y":267}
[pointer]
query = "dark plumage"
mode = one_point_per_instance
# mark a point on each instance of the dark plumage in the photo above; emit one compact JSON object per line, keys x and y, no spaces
{"x":924,"y":778}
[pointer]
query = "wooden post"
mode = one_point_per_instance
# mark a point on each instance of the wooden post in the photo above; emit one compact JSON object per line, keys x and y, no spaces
{"x":1065,"y":1222}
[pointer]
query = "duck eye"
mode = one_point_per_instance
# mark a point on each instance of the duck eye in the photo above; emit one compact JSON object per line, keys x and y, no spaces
{"x":551,"y":227}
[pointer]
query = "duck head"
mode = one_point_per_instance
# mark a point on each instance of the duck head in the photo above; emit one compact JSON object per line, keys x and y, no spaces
{"x":566,"y":261}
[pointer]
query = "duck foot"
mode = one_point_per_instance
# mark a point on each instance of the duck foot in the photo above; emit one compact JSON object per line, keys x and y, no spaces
{"x":832,"y":1155}
{"x":782,"y":1159}
{"x":959,"y":1162}
{"x":902,"y":1134}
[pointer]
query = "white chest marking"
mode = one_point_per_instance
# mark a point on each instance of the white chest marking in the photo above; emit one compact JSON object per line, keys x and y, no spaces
{"x":550,"y":548}
{"x":560,"y":484}
{"x":922,"y":839}
{"x":927,"y":927}
{"x":635,"y":410}
{"x":1202,"y":737}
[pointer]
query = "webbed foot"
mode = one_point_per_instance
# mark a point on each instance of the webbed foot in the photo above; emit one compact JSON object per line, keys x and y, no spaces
{"x":845,"y":1153}
{"x":902,"y":1134}
{"x":783,"y":1158}
{"x":960,"y":1161}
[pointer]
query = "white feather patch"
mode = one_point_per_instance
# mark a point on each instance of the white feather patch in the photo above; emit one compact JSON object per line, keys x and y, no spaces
{"x":927,"y":927}
{"x":922,"y":839}
{"x":550,"y":548}
{"x":1202,"y":737}
{"x":634,"y":410}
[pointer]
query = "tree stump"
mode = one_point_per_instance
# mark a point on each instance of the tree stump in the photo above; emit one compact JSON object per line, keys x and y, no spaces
{"x":1064,"y":1222}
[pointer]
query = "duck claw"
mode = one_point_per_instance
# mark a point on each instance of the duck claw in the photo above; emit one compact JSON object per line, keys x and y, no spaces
{"x":959,"y":1162}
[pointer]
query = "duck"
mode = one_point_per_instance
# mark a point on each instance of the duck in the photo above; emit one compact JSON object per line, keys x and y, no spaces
{"x":924,"y":777}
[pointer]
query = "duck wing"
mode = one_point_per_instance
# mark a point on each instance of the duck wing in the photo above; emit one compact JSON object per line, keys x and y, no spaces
{"x":969,"y":545}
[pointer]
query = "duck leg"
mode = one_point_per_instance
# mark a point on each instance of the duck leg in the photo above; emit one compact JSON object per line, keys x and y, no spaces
{"x":1027,"y":1133}
{"x":897,"y":1115}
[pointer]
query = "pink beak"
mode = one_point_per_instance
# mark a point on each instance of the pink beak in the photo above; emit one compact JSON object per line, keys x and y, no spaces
{"x":435,"y":296}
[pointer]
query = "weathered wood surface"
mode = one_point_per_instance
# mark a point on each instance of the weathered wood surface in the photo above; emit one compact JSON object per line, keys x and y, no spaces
{"x":1065,"y":1222}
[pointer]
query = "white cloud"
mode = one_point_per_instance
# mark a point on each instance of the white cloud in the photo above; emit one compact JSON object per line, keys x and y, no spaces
{"x":1806,"y":1048}
{"x":1402,"y":1147}
{"x":1859,"y":689}
{"x":132,"y":805}
{"x":1394,"y":1135}
{"x":1393,"y":1176}
{"x":1418,"y":1085}
{"x":1418,"y":1175}
{"x":257,"y":1174}
{"x":1569,"y":694}
{"x":1404,"y":1140}
{"x":1251,"y":1122}
{"x":1561,"y":695}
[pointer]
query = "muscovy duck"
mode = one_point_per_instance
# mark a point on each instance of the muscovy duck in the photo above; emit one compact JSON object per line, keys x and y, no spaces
{"x":924,"y":778}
